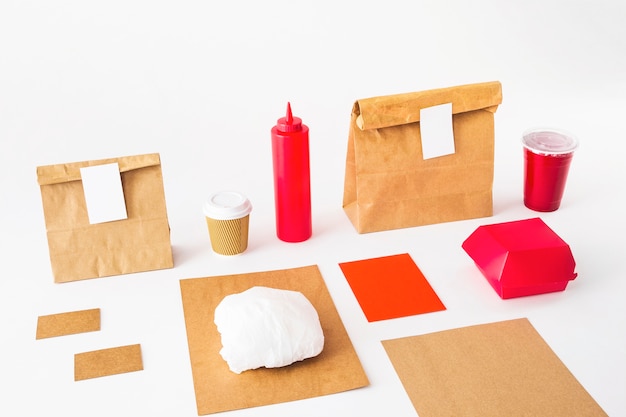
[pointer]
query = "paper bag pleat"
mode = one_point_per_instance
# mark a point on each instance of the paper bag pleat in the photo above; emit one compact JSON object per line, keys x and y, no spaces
{"x":138,"y":246}
{"x":53,"y":174}
{"x":399,"y":109}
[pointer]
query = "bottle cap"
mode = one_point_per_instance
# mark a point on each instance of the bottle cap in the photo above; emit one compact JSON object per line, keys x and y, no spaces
{"x":289,"y":123}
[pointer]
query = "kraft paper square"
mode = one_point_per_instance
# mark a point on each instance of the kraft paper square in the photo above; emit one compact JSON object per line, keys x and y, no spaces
{"x":390,"y":287}
{"x":218,"y":389}
{"x":62,"y":324}
{"x":104,"y":362}
{"x":497,"y":369}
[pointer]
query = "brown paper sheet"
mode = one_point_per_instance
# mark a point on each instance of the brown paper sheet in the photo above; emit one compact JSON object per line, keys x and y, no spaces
{"x":218,"y":389}
{"x":63,"y":324}
{"x":498,"y":369}
{"x":104,"y":362}
{"x":80,"y":250}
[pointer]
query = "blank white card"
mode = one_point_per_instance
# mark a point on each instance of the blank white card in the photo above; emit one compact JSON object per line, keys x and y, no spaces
{"x":104,"y":195}
{"x":436,"y":131}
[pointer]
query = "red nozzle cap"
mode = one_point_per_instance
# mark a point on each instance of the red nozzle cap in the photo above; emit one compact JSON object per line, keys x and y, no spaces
{"x":289,"y":123}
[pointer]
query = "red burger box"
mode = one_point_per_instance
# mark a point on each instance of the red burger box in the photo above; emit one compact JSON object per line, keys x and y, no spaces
{"x":521,"y":258}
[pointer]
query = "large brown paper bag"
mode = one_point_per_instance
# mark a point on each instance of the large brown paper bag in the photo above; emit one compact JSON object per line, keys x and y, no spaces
{"x":81,"y":250}
{"x":388,"y":183}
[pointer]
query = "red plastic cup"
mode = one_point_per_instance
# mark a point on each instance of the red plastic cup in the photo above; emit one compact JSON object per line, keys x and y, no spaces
{"x":547,"y":157}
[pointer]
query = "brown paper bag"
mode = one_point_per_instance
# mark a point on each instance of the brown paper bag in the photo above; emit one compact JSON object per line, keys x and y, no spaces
{"x":80,"y":250}
{"x":389,"y":185}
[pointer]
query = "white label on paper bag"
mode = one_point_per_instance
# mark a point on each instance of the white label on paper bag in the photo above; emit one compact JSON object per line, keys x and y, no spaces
{"x":436,"y":131}
{"x":104,"y":196}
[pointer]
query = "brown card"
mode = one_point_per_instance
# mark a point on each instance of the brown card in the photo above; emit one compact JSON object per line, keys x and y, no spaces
{"x":218,"y":389}
{"x":117,"y":360}
{"x":497,"y":369}
{"x":73,"y":322}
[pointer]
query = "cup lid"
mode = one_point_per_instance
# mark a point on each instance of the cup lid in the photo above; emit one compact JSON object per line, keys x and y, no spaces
{"x":227,"y":205}
{"x":549,"y":141}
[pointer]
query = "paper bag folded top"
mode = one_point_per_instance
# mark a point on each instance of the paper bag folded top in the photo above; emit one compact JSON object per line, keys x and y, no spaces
{"x":389,"y":184}
{"x":81,"y":250}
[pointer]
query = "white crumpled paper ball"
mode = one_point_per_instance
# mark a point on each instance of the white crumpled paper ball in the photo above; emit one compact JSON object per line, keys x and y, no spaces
{"x":267,"y":327}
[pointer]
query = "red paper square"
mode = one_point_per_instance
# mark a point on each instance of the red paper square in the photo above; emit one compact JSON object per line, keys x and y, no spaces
{"x":390,"y":287}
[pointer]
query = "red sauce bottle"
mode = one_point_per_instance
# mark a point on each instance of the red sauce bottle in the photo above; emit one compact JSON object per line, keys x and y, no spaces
{"x":292,"y":178}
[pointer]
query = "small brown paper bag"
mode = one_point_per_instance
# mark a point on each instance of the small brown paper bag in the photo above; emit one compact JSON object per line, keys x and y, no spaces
{"x":388,"y":183}
{"x":81,"y":250}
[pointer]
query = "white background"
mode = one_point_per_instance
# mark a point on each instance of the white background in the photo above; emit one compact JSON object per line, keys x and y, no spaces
{"x":202,"y":83}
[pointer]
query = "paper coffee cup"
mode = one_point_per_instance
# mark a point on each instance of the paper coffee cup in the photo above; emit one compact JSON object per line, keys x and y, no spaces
{"x":227,"y":216}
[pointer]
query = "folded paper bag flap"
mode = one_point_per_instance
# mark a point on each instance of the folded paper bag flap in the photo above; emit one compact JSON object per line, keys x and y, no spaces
{"x":399,"y":109}
{"x":54,"y":174}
